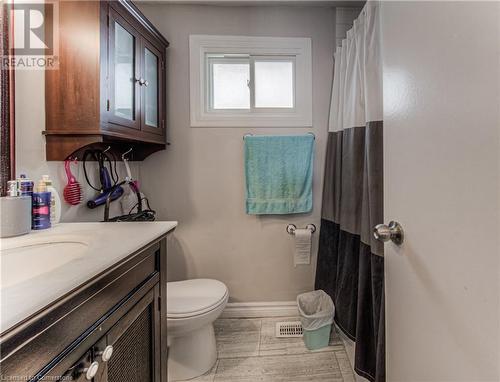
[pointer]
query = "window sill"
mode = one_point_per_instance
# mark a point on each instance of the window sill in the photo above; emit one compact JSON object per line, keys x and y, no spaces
{"x":250,"y":120}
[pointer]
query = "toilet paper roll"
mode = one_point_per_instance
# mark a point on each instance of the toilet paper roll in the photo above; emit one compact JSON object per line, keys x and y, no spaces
{"x":302,"y":246}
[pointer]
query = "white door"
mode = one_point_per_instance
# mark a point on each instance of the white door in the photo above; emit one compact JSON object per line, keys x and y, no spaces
{"x":441,"y":154}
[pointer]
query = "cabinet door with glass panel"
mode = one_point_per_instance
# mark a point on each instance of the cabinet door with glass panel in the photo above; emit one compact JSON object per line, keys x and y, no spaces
{"x":151,"y":83}
{"x":124,"y":73}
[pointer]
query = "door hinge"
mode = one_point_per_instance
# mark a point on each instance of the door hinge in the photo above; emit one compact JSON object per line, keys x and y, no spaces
{"x":159,"y":303}
{"x":163,"y":64}
{"x":163,"y":124}
{"x":107,"y":105}
{"x":107,"y":20}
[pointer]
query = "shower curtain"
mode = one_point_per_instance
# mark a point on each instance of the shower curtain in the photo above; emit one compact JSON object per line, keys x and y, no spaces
{"x":350,"y":264}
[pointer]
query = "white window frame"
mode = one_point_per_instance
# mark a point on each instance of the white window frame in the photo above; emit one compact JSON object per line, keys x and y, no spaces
{"x":257,"y":48}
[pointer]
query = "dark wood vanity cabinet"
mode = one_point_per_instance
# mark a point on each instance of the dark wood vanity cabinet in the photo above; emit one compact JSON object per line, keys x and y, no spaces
{"x":110,"y":85}
{"x":135,"y":340}
{"x":129,"y":351}
{"x":112,"y":329}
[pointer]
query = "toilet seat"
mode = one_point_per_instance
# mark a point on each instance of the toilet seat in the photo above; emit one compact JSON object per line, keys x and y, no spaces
{"x":191,"y":298}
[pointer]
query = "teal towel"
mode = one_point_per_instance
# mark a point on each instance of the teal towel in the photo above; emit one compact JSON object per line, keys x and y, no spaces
{"x":279,"y":172}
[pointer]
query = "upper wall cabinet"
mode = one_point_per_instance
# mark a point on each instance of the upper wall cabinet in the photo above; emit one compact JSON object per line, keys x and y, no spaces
{"x":110,"y":85}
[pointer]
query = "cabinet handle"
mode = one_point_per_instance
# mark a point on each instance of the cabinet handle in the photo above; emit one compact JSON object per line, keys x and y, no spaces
{"x":106,"y":353}
{"x":91,"y":371}
{"x":141,"y":81}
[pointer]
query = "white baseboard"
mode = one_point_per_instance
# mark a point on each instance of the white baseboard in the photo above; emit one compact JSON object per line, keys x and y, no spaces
{"x":260,"y":309}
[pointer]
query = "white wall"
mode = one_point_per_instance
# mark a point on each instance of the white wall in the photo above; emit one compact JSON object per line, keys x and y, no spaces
{"x":30,"y":147}
{"x":199,"y":180}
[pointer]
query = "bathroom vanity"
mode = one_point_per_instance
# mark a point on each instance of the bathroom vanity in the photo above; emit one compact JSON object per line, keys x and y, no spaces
{"x":85,"y":301}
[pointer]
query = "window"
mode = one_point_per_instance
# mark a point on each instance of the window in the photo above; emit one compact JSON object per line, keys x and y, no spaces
{"x":250,"y":81}
{"x":235,"y":81}
{"x":229,"y":80}
{"x":274,"y":83}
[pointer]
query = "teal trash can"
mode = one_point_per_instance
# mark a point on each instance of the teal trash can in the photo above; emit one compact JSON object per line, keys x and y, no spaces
{"x":316,"y":314}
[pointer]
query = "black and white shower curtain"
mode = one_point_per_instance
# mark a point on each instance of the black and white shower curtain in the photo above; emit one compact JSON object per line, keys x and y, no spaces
{"x":350,"y":264}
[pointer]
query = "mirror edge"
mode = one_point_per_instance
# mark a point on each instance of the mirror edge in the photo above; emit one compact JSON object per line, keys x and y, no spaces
{"x":7,"y":111}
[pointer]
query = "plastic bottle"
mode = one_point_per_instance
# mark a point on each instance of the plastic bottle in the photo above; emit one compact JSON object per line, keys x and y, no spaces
{"x":40,"y":214}
{"x":24,"y":186}
{"x":55,"y":201}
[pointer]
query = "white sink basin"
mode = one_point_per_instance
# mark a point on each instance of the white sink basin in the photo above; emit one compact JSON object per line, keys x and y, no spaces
{"x":36,"y":257}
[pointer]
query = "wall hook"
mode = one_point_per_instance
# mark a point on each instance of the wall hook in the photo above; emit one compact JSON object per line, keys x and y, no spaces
{"x":126,"y":152}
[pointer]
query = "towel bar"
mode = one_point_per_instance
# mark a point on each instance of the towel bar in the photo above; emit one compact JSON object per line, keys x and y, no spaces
{"x":247,"y":135}
{"x":290,"y":228}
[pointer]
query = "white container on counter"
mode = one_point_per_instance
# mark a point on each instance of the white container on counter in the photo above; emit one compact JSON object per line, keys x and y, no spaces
{"x":15,"y":215}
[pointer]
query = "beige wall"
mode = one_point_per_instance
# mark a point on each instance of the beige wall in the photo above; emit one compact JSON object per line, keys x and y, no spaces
{"x":199,"y":180}
{"x":344,"y":18}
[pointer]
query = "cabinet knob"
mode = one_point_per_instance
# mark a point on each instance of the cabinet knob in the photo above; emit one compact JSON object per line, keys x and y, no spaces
{"x":106,"y":353}
{"x":91,"y":371}
{"x":146,"y":83}
{"x":140,"y":80}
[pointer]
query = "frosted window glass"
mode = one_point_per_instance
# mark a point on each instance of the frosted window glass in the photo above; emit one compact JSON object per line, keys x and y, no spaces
{"x":230,"y":85}
{"x":274,"y":84}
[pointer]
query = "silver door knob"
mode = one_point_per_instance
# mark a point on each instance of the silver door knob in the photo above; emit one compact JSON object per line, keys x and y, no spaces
{"x":91,"y":371}
{"x":393,"y":232}
{"x":106,"y":353}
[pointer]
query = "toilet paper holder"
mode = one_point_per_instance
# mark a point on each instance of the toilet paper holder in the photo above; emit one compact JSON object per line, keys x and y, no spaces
{"x":290,"y":228}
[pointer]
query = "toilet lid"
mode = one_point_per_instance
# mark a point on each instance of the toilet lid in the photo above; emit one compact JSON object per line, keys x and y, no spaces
{"x":192,"y":297}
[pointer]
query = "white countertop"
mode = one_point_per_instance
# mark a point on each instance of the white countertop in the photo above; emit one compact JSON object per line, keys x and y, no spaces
{"x":36,"y":271}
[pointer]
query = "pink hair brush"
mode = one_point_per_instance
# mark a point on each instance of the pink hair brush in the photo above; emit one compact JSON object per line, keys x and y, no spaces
{"x":73,"y":190}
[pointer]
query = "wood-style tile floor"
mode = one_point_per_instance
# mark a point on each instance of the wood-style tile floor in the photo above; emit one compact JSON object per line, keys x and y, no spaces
{"x":249,"y":352}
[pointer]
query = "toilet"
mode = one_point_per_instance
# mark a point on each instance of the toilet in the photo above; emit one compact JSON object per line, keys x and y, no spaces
{"x":192,"y":308}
